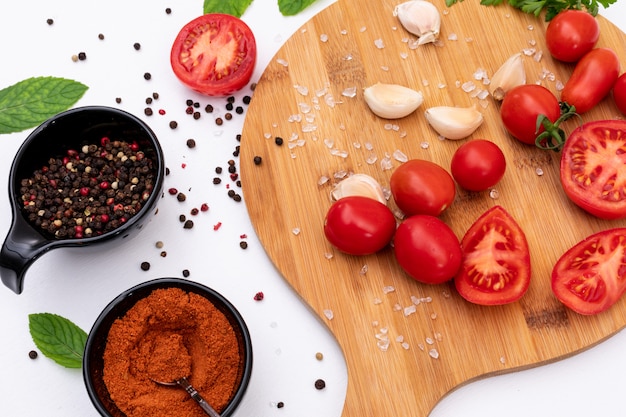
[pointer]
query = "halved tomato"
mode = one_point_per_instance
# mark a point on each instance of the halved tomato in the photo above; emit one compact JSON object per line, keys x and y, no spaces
{"x":591,"y":276}
{"x":214,"y":54}
{"x":496,"y":260}
{"x":593,"y":168}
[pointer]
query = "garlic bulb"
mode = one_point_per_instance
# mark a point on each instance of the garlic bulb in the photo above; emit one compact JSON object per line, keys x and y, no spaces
{"x":509,"y":75}
{"x":454,"y":122}
{"x":421,"y":18}
{"x":392,"y":101}
{"x":358,"y":184}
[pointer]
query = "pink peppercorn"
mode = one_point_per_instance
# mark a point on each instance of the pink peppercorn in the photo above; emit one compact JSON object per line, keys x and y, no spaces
{"x":84,"y":191}
{"x":204,"y":207}
{"x":259,"y":296}
{"x":172,"y":191}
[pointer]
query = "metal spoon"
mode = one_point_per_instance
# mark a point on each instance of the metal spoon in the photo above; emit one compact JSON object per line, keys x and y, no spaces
{"x":182,"y":382}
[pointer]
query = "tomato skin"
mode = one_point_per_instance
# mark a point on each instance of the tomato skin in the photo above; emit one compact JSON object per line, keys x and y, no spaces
{"x":478,"y":165}
{"x":592,"y":168}
{"x":422,"y":187}
{"x":214,"y":54}
{"x":521,"y":106}
{"x":495,"y":254}
{"x":427,"y":249}
{"x":571,"y":34}
{"x":590,"y":277}
{"x":359,"y":225}
{"x":592,"y":79}
{"x":619,"y":93}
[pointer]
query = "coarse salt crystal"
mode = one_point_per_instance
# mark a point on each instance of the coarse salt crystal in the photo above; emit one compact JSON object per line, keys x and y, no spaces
{"x":377,"y":301}
{"x":409,"y":310}
{"x":338,"y":152}
{"x":433,"y":353}
{"x":388,"y":288}
{"x":371,"y":160}
{"x":379,"y":43}
{"x":309,"y":127}
{"x":400,"y":156}
{"x":539,"y":171}
{"x":453,"y":37}
{"x":328,"y":314}
{"x":424,"y":145}
{"x":429,"y":341}
{"x":363,"y":270}
{"x":397,"y":307}
{"x":323,"y":180}
{"x":494,"y":194}
{"x":324,"y":37}
{"x":329,"y":142}
{"x":349,"y":92}
{"x":328,"y":255}
{"x":282,"y":62}
{"x":295,"y":231}
{"x":405,"y":345}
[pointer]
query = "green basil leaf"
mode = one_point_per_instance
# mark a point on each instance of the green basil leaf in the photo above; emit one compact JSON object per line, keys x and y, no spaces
{"x":58,"y":338}
{"x":293,"y":7}
{"x":33,"y":100}
{"x":232,"y":7}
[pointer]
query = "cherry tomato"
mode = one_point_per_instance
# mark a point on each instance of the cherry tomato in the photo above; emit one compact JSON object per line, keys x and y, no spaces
{"x":522,"y":105}
{"x":422,"y":187}
{"x":214,"y":54}
{"x":496,"y":260}
{"x":477,"y":165}
{"x":427,"y":249}
{"x":590,"y":277}
{"x":571,"y":34}
{"x":592,"y":168}
{"x":619,"y":93}
{"x":359,"y":225}
{"x":592,"y":79}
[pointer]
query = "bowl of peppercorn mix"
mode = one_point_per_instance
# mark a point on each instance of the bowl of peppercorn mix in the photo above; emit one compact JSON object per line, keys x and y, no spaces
{"x":85,"y":176}
{"x":164,"y":330}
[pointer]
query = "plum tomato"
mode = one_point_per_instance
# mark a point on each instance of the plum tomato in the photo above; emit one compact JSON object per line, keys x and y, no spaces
{"x":593,"y":78}
{"x":571,"y":34}
{"x":590,"y":277}
{"x":522,"y":105}
{"x":496,"y":260}
{"x":359,"y":225}
{"x":592,"y":168}
{"x":619,"y":93}
{"x":422,"y":187}
{"x":214,"y":54}
{"x":427,"y":249}
{"x":478,"y":165}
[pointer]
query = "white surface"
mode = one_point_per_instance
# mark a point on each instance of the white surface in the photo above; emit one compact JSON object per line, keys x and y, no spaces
{"x":77,"y":284}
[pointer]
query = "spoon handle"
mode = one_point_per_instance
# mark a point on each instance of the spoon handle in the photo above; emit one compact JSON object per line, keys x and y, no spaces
{"x":196,"y":396}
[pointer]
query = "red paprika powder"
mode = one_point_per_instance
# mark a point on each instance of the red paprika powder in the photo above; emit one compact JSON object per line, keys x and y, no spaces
{"x":165,"y":336}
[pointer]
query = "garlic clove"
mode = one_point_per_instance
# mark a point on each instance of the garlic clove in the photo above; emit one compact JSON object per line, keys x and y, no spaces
{"x":358,"y":185}
{"x":509,"y":75}
{"x":454,"y":122}
{"x":421,"y":18}
{"x":392,"y":101}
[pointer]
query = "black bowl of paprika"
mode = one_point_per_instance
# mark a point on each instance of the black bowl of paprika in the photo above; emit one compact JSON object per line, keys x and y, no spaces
{"x":84,"y":176}
{"x":165,"y":329}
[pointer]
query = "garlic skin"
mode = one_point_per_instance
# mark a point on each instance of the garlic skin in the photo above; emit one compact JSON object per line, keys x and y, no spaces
{"x":454,"y":122}
{"x":509,"y":75}
{"x":358,"y":185}
{"x":392,"y":101}
{"x":421,"y":18}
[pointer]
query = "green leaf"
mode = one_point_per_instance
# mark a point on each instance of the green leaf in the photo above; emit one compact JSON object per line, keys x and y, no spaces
{"x":232,"y":7}
{"x":293,"y":7}
{"x":58,"y":338}
{"x":33,"y":100}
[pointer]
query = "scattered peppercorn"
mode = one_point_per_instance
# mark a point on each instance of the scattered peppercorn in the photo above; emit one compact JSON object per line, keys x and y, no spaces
{"x":186,"y":273}
{"x":229,"y":106}
{"x":208,"y":108}
{"x":191,"y":143}
{"x":204,"y":207}
{"x":219,"y":121}
{"x":194,"y":211}
{"x":188,"y":224}
{"x":137,"y":46}
{"x":147,"y":76}
{"x":148,"y":111}
{"x":172,"y":191}
{"x":258,"y":160}
{"x":228,"y":116}
{"x":182,"y":218}
{"x":100,"y":36}
{"x":32,"y":354}
{"x":173,"y":124}
{"x":189,"y":102}
{"x":280,"y":404}
{"x":278,"y":140}
{"x":159,"y":244}
{"x":168,"y":11}
{"x":320,"y":384}
{"x":239,"y":110}
{"x":181,"y":197}
{"x":218,"y":170}
{"x":246,"y":99}
{"x":75,"y":58}
{"x":118,"y":100}
{"x":82,"y":56}
{"x":196,"y":115}
{"x":163,"y":254}
{"x":145,"y":266}
{"x":259,"y":296}
{"x":50,"y":22}
{"x":243,"y":244}
{"x":319,"y":356}
{"x":217,"y":180}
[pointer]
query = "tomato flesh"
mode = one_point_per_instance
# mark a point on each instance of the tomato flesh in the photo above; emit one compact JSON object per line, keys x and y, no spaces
{"x":427,"y":249}
{"x":593,"y":168}
{"x":591,"y":276}
{"x":214,"y":54}
{"x":496,"y":260}
{"x":359,"y":225}
{"x":571,"y":34}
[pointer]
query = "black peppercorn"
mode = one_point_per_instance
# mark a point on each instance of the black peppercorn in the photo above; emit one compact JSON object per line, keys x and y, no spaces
{"x":320,"y":384}
{"x":188,"y":224}
{"x":185,"y":273}
{"x":32,"y":354}
{"x":173,"y":124}
{"x":278,"y":140}
{"x":145,"y":266}
{"x":147,"y":76}
{"x":137,"y":46}
{"x":191,"y":143}
{"x":257,"y":160}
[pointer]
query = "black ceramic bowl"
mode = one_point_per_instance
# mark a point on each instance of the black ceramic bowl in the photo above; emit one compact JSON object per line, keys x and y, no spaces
{"x":70,"y":130}
{"x":93,"y":362}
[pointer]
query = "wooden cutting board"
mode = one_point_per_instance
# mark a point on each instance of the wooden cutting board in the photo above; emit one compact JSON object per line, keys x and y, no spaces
{"x":401,"y":362}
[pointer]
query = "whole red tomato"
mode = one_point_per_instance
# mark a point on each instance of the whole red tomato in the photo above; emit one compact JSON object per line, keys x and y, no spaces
{"x":592,"y":79}
{"x":496,"y":260}
{"x":359,"y":225}
{"x":571,"y":34}
{"x":592,"y":168}
{"x":422,"y":187}
{"x":521,"y":107}
{"x":214,"y":54}
{"x":590,"y":277}
{"x":619,"y":93}
{"x":427,"y":249}
{"x":478,"y":164}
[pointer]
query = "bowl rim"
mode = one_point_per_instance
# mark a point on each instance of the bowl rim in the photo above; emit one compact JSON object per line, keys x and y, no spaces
{"x":142,"y":290}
